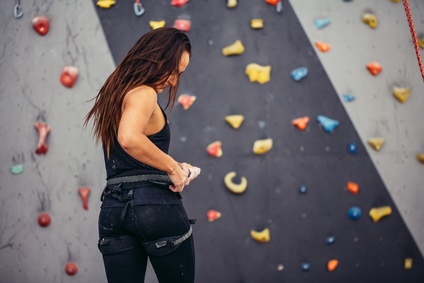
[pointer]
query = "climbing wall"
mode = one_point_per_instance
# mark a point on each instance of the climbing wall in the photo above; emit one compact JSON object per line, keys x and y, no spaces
{"x":312,"y":190}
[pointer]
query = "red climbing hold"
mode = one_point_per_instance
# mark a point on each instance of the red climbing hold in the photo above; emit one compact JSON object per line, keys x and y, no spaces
{"x":44,"y":219}
{"x":178,"y":3}
{"x":272,"y":2}
{"x":69,"y":76}
{"x":213,"y":215}
{"x":353,"y":188}
{"x":71,"y":268}
{"x":182,"y":24}
{"x":43,"y":130}
{"x":374,"y":68}
{"x":84,"y":193}
{"x":41,"y":25}
{"x":301,"y":122}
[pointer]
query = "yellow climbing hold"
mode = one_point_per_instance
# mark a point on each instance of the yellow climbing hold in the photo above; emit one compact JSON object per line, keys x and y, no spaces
{"x":106,"y":4}
{"x":231,"y":3}
{"x":401,"y":93}
{"x":370,"y":19}
{"x":379,"y":212}
{"x":157,"y":24}
{"x":233,"y":187}
{"x":395,"y":1}
{"x":407,"y":264}
{"x":234,"y":120}
{"x":421,"y":42}
{"x":262,"y":146}
{"x":376,"y":143}
{"x":256,"y":23}
{"x":236,"y":48}
{"x":258,"y":73}
{"x":420,"y":157}
{"x":261,"y":236}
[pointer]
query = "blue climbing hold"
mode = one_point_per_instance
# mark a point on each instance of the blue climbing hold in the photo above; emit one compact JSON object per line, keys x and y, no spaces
{"x":299,"y":73}
{"x":348,"y":97}
{"x":305,"y":266}
{"x":321,"y":23}
{"x":303,"y":189}
{"x":327,"y":123}
{"x":354,"y":213}
{"x":330,"y":240}
{"x":351,"y":148}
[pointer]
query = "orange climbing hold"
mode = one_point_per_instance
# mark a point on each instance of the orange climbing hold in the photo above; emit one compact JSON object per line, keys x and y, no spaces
{"x":84,"y":193}
{"x":353,"y":187}
{"x":186,"y":100}
{"x":332,"y":264}
{"x":322,"y":46}
{"x":301,"y":122}
{"x":213,"y":215}
{"x":182,"y":24}
{"x":178,"y":3}
{"x":69,"y":76}
{"x":272,"y":2}
{"x":374,"y":68}
{"x":214,"y":149}
{"x":71,"y":268}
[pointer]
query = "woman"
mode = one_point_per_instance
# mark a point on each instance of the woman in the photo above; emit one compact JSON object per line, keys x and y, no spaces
{"x":142,"y":215}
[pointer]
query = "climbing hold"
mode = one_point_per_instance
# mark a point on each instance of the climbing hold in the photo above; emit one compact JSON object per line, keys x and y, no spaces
{"x":256,"y":23}
{"x":231,"y":3}
{"x":305,"y":266}
{"x":303,"y":189}
{"x":213,"y":215}
{"x":138,"y":8}
{"x":84,"y":193}
{"x":321,"y":23}
{"x":348,"y":97}
{"x":395,"y":1}
{"x":261,"y":236}
{"x":279,"y":7}
{"x":71,"y":268}
{"x":327,"y":123}
{"x":376,"y":143}
{"x":377,"y":213}
{"x":370,"y":19}
{"x":41,"y":25}
{"x":262,"y":146}
{"x":420,"y":157}
{"x":236,"y":48}
{"x":421,"y":42}
{"x":69,"y":76}
{"x":178,"y":3}
{"x":374,"y":68}
{"x":258,"y":73}
{"x":407,"y":264}
{"x":157,"y":24}
{"x":332,"y":264}
{"x":322,"y":46}
{"x":43,"y":130}
{"x":44,"y":219}
{"x":234,"y":120}
{"x":330,"y":240}
{"x":261,"y":124}
{"x":299,"y":73}
{"x":354,"y":213}
{"x":301,"y":122}
{"x":17,"y":169}
{"x":214,"y":149}
{"x":352,"y":148}
{"x":272,"y":2}
{"x":186,"y":100}
{"x":401,"y":93}
{"x":280,"y":267}
{"x":353,"y":187}
{"x":106,"y":4}
{"x":233,"y":187}
{"x":182,"y":24}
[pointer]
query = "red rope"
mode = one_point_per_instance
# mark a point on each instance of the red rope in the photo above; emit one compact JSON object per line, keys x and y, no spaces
{"x":413,"y":34}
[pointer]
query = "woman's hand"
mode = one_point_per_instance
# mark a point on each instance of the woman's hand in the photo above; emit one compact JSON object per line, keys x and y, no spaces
{"x":183,"y":174}
{"x":193,"y":171}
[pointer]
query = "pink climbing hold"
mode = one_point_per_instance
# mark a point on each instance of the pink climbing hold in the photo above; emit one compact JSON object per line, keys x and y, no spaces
{"x":182,"y":24}
{"x":84,"y":192}
{"x":43,"y":130}
{"x":178,"y":3}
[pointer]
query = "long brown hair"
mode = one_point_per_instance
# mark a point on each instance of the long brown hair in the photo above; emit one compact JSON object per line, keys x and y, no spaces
{"x":154,"y":57}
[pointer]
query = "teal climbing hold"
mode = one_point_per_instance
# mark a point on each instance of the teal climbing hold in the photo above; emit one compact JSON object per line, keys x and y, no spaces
{"x":299,"y":73}
{"x":321,"y":23}
{"x":327,"y":123}
{"x":17,"y":169}
{"x":348,"y":97}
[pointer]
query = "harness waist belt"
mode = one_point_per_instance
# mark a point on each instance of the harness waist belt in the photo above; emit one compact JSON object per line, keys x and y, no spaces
{"x":162,"y":179}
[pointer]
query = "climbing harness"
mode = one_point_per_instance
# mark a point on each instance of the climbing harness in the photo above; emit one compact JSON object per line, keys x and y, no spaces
{"x":155,"y":178}
{"x":17,"y":10}
{"x":414,"y":35}
{"x":138,"y":8}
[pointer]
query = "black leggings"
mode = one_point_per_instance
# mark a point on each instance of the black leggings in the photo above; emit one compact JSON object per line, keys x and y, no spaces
{"x":128,"y":262}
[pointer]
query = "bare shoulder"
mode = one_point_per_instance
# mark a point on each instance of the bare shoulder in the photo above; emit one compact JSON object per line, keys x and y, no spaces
{"x":141,"y":96}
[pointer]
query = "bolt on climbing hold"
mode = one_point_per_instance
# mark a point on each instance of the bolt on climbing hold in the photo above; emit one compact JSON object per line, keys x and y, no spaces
{"x":84,"y":192}
{"x":377,"y":213}
{"x":352,"y":148}
{"x":182,"y":24}
{"x":407,"y":264}
{"x":374,"y":68}
{"x":420,"y":157}
{"x":71,"y":268}
{"x":179,"y":3}
{"x":44,"y":219}
{"x":353,"y":187}
{"x":234,"y":121}
{"x":262,"y":146}
{"x":214,"y":149}
{"x":236,"y":48}
{"x":370,"y":19}
{"x":279,"y":7}
{"x":299,"y":73}
{"x":69,"y":76}
{"x":256,"y":23}
{"x":17,"y":169}
{"x":43,"y":130}
{"x":303,"y":189}
{"x":354,"y":213}
{"x":322,"y":46}
{"x":41,"y":25}
{"x":332,"y":265}
{"x":261,"y":236}
{"x":328,"y":124}
{"x":321,"y":23}
{"x":376,"y":143}
{"x":305,"y":266}
{"x":348,"y":97}
{"x":258,"y":73}
{"x":233,"y":187}
{"x":213,"y":215}
{"x":138,"y":8}
{"x":186,"y":100}
{"x":301,"y":123}
{"x":330,"y":240}
{"x":17,"y":10}
{"x":157,"y":24}
{"x":105,"y":4}
{"x":401,"y":93}
{"x":421,"y":41}
{"x":231,"y":3}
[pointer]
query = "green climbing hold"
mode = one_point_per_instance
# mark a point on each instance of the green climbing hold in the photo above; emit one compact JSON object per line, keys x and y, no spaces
{"x":17,"y":169}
